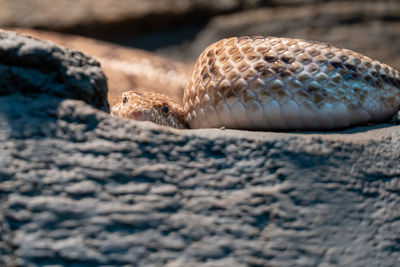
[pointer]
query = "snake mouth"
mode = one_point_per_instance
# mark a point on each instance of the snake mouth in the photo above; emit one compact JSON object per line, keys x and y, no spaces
{"x":136,"y":115}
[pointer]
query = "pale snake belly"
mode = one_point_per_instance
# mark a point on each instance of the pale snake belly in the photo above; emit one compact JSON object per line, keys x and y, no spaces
{"x":269,"y":83}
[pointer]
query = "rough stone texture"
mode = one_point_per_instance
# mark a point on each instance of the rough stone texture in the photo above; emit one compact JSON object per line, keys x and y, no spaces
{"x":28,"y":65}
{"x":81,"y":188}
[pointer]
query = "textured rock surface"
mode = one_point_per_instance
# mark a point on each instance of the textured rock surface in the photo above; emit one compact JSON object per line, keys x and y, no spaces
{"x":85,"y":188}
{"x":81,"y":188}
{"x":31,"y":66}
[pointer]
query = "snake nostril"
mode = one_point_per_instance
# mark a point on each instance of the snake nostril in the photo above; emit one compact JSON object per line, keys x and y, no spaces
{"x":124,"y":100}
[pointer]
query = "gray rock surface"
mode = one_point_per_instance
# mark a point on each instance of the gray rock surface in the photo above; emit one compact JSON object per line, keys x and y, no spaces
{"x":31,"y":66}
{"x":81,"y":188}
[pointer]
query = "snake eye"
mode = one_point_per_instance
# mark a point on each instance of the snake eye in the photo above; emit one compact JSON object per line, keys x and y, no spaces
{"x":165,"y":110}
{"x":124,"y":100}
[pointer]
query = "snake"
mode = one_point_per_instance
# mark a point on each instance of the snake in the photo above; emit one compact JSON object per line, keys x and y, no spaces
{"x":273,"y":83}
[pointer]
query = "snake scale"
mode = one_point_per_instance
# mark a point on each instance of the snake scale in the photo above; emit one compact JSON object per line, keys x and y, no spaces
{"x":270,"y":83}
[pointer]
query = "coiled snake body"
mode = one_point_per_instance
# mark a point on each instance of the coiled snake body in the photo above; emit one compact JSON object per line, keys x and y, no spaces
{"x":269,"y":83}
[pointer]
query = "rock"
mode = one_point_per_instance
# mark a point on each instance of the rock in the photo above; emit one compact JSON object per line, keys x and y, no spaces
{"x":30,"y":66}
{"x":368,"y":27}
{"x":126,"y":68}
{"x":86,"y":188}
{"x":80,"y":187}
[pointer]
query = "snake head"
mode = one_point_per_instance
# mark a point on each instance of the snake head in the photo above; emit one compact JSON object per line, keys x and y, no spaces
{"x":149,"y":106}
